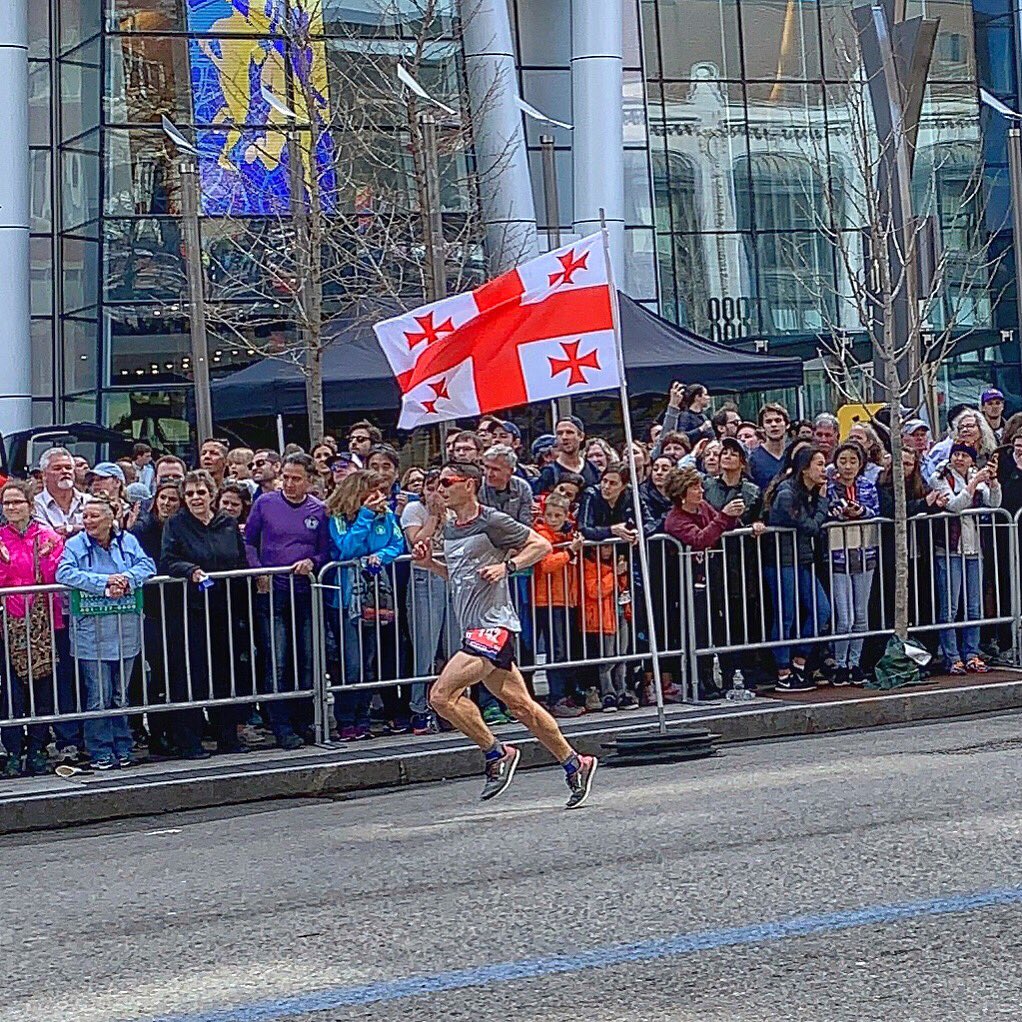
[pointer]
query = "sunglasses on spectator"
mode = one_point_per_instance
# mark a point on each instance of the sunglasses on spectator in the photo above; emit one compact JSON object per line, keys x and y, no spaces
{"x":451,"y":480}
{"x":360,"y":438}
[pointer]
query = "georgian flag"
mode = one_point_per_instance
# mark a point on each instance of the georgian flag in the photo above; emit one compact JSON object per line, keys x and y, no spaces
{"x":540,"y":331}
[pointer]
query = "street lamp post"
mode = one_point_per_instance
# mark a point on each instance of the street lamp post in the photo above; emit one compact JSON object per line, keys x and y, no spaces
{"x":189,"y":171}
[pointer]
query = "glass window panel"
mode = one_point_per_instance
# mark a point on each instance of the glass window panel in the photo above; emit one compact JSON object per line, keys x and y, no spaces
{"x":638,"y":197}
{"x":149,"y":413}
{"x":79,"y":20}
{"x":43,"y":412}
{"x":147,"y":77}
{"x":640,"y":264}
{"x":544,"y":33}
{"x":80,"y":345}
{"x":41,"y":207}
{"x":795,"y":282}
{"x":711,"y":288}
{"x":550,"y":93}
{"x":146,"y":344}
{"x":954,"y":54}
{"x":79,"y":97}
{"x":141,"y":173}
{"x":562,"y":164}
{"x":630,"y":35}
{"x":840,"y":40}
{"x":41,"y":268}
{"x":42,"y":357}
{"x":79,"y":272}
{"x":703,"y":127}
{"x":38,"y":102}
{"x":79,"y":173}
{"x":145,"y":15}
{"x":995,"y":49}
{"x":634,"y":108}
{"x":781,"y":40}
{"x":699,"y":38}
{"x":142,"y":261}
{"x":650,"y":38}
{"x":39,"y":29}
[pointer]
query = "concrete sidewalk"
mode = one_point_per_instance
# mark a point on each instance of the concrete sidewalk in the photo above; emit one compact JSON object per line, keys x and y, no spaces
{"x":339,"y":771}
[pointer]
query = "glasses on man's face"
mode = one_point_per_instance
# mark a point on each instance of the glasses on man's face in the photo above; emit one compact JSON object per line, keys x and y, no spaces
{"x":451,"y":480}
{"x":358,"y":439}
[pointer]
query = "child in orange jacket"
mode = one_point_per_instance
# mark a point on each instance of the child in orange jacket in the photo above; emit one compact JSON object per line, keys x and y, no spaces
{"x":606,"y":613}
{"x":555,"y":597}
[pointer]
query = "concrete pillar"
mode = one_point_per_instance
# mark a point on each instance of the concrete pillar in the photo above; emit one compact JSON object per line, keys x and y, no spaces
{"x":597,"y":80}
{"x":505,"y":187}
{"x":15,"y":283}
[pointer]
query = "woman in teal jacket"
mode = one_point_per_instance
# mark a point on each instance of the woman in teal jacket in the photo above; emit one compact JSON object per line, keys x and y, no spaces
{"x":104,"y":561}
{"x":363,"y":529}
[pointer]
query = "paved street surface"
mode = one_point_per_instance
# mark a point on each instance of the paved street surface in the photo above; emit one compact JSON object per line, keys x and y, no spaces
{"x":851,"y":877}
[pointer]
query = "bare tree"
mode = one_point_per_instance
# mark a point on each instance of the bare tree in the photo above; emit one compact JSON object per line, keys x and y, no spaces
{"x":871,"y":353}
{"x":347,"y":240}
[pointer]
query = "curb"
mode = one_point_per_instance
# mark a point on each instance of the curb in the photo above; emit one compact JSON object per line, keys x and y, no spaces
{"x":346,"y":774}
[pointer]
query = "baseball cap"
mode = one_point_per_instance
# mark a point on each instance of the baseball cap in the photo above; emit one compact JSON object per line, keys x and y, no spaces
{"x":106,"y":470}
{"x":991,"y":394}
{"x":340,"y":460}
{"x":510,"y":427}
{"x":912,"y":425}
{"x":138,"y":492}
{"x":542,"y":444}
{"x":730,"y":443}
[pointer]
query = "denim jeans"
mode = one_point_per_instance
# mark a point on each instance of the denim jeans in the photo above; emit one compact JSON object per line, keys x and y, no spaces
{"x":552,"y":624}
{"x":850,"y":592}
{"x":351,"y":709}
{"x":287,"y":649}
{"x":949,"y":596}
{"x":784,"y":624}
{"x":20,"y":705}
{"x":612,"y":676}
{"x":107,"y":739}
{"x":427,"y":612}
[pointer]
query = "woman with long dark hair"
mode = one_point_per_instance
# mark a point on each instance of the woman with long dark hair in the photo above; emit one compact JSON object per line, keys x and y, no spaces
{"x":801,"y":606}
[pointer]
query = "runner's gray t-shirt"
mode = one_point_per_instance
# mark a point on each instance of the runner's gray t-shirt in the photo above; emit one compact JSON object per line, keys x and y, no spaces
{"x":486,"y":539}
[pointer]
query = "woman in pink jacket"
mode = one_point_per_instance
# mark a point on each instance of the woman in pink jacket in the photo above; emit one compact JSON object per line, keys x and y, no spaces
{"x":28,"y":551}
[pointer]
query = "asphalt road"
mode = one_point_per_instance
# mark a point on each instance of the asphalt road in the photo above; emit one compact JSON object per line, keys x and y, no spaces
{"x":857,"y":877}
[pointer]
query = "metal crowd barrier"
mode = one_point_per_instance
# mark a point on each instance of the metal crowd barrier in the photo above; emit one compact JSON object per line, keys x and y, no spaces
{"x":265,"y":636}
{"x":247,"y":625}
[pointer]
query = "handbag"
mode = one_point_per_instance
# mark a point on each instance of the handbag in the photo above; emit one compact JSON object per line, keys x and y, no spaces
{"x":28,"y":637}
{"x":372,"y":598}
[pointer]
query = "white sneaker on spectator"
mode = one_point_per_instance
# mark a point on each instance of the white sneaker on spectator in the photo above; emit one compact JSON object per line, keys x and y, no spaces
{"x":593,"y":701}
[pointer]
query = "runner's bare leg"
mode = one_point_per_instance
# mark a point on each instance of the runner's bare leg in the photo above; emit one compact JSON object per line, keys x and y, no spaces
{"x":448,"y":699}
{"x":509,"y":687}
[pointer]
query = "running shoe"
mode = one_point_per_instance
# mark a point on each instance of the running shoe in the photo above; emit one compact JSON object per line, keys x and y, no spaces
{"x":12,"y":768}
{"x":565,"y":709}
{"x":610,"y":704}
{"x":37,"y":764}
{"x":593,"y":701}
{"x":493,"y":714}
{"x":626,"y":701}
{"x":425,"y":724}
{"x":500,"y":772}
{"x":580,"y":783}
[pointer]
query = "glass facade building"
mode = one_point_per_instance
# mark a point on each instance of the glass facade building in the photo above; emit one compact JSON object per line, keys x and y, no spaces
{"x":736,"y":143}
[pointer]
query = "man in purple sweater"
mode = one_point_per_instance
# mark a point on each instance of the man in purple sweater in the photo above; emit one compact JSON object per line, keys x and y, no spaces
{"x":289,"y":529}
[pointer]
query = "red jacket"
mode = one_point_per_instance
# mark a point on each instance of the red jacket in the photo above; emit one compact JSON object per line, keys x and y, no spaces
{"x":699,"y":529}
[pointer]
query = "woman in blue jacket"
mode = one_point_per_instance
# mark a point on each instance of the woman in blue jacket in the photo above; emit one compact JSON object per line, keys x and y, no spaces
{"x":104,"y":561}
{"x":363,"y":529}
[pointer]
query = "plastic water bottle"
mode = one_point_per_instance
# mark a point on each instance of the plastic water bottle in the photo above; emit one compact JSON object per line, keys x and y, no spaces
{"x":738,"y":693}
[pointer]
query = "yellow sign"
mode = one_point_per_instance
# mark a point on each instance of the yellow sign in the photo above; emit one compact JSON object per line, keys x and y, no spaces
{"x":849,"y":415}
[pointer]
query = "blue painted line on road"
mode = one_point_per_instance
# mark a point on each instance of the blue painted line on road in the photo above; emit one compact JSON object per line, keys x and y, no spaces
{"x":600,"y":958}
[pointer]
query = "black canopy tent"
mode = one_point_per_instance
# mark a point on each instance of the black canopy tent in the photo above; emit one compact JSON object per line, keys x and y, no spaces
{"x":356,"y":376}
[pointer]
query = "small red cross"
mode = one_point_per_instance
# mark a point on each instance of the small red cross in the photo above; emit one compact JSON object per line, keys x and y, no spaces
{"x":571,"y":266}
{"x":573,"y":364}
{"x":430,"y":333}
{"x":439,"y":391}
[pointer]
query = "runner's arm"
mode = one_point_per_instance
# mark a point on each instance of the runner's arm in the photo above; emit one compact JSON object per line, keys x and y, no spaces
{"x":533,"y":551}
{"x":422,"y":557}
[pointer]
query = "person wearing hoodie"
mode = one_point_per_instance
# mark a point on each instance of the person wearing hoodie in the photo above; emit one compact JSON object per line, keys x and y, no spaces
{"x":801,"y":606}
{"x":104,"y":562}
{"x":957,"y":554}
{"x":198,"y":541}
{"x":362,"y":529}
{"x":29,"y":555}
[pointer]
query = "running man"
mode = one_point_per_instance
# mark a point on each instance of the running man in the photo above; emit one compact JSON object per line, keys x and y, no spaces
{"x":478,"y":543}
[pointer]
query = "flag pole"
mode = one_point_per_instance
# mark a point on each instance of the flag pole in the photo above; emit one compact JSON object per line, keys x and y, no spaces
{"x":647,"y":588}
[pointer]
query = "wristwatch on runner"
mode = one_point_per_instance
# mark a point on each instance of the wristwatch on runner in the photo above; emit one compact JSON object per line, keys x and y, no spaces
{"x":510,"y":567}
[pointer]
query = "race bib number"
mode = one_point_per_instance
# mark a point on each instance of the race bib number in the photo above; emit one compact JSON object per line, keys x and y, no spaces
{"x":487,"y":641}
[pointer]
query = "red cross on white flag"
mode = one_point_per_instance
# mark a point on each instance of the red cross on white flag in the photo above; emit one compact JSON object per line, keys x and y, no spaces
{"x":540,"y":331}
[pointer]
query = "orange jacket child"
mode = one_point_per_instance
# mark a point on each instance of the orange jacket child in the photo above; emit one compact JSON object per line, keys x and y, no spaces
{"x":599,"y":598}
{"x":554,"y":579}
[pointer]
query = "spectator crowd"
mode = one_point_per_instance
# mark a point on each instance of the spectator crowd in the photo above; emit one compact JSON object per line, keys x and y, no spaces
{"x":784,"y":526}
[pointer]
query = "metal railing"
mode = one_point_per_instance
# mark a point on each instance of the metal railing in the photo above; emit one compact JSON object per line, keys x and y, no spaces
{"x":313,"y":651}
